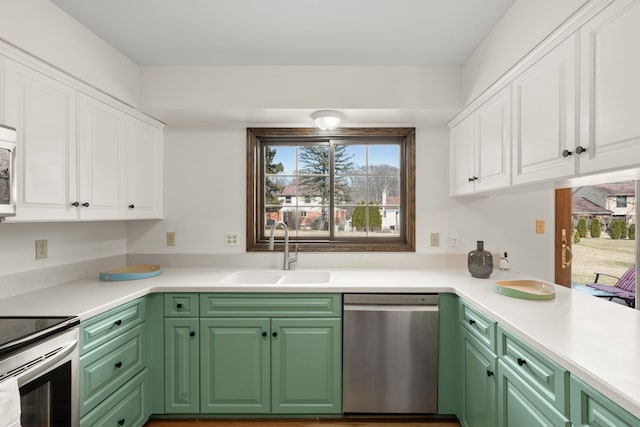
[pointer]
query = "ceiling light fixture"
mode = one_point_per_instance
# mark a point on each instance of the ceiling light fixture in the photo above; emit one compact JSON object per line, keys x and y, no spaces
{"x":327,"y":119}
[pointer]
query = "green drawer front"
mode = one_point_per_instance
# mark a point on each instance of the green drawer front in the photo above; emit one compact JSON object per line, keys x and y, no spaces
{"x":102,"y":328}
{"x":546,"y":377}
{"x":105,"y":369}
{"x":590,"y":408}
{"x":181,"y":305}
{"x":478,"y":325}
{"x":271,"y":305}
{"x":127,"y":407}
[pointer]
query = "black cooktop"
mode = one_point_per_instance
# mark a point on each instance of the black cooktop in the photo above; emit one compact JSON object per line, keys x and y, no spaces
{"x":17,"y":332}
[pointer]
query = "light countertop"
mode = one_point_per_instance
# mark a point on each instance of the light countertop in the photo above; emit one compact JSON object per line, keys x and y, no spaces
{"x":597,"y":341}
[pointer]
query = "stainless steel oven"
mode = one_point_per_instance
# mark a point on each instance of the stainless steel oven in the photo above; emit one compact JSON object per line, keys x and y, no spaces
{"x":43,"y":355}
{"x":8,"y":189}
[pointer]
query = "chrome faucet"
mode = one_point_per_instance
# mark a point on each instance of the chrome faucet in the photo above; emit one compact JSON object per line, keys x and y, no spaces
{"x":286,"y":264}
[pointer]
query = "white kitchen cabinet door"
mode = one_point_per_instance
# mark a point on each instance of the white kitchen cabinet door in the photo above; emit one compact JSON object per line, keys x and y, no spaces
{"x":100,"y":160}
{"x":43,"y":111}
{"x":143,"y":158}
{"x":463,"y":157}
{"x":610,"y":88}
{"x":480,"y":147}
{"x":544,"y":110}
{"x":493,"y":142}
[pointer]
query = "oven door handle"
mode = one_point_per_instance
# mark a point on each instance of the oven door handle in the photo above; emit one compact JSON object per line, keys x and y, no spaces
{"x":45,"y":365}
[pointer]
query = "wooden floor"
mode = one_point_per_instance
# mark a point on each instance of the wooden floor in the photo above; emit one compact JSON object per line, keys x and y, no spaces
{"x":303,"y":423}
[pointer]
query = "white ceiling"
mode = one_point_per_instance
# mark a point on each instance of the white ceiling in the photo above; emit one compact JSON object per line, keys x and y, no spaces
{"x":290,"y":32}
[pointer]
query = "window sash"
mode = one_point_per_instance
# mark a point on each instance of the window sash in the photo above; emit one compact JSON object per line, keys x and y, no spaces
{"x":257,"y":233}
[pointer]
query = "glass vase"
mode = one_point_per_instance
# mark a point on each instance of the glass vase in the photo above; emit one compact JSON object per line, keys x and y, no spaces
{"x":480,"y":262}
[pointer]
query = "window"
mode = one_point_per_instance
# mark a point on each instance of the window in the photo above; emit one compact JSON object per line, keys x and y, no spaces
{"x":351,"y":189}
{"x":621,"y":201}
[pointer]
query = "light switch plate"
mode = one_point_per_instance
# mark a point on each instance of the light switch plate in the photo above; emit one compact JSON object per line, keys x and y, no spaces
{"x":171,"y":238}
{"x":539,"y":226}
{"x":435,"y":239}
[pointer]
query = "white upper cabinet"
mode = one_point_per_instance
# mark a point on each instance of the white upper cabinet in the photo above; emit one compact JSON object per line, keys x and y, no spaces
{"x":544,"y":121}
{"x":79,"y":157}
{"x":100,"y":160}
{"x":44,"y":113}
{"x":493,"y":142}
{"x":462,"y":157}
{"x":610,"y":88}
{"x":480,"y":147}
{"x":143,"y":148}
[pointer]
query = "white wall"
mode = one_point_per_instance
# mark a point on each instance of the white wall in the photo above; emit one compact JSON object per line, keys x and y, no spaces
{"x":523,"y":27}
{"x":42,"y":29}
{"x":204,"y":199}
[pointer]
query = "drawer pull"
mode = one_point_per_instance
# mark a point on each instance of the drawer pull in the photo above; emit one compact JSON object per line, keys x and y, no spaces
{"x":178,"y":306}
{"x":275,"y":334}
{"x":521,"y":361}
{"x":489,"y":373}
{"x":192,"y":334}
{"x":472,"y":322}
{"x":118,"y":322}
{"x":121,"y":422}
{"x":118,"y":364}
{"x":264,"y":334}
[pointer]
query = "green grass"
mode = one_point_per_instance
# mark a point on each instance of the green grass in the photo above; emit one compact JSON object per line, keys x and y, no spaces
{"x":602,"y":255}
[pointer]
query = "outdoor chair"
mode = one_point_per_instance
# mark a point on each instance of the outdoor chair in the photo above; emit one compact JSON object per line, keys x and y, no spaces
{"x":625,"y":287}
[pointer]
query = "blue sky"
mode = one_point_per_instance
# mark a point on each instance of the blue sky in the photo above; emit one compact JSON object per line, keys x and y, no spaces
{"x":378,"y":155}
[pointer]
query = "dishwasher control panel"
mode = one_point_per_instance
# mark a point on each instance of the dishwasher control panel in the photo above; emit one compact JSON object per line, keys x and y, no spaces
{"x":391,"y":299}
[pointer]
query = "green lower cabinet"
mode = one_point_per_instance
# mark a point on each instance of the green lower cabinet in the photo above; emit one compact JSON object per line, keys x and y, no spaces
{"x":520,"y":405}
{"x":306,"y":371}
{"x":182,"y":354}
{"x":235,"y":366}
{"x":591,"y":409}
{"x":479,"y":385}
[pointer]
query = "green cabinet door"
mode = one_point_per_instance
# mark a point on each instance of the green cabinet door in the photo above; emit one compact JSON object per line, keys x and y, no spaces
{"x":235,"y":365}
{"x":479,"y":386}
{"x":182,"y":354}
{"x":307,"y":366}
{"x":520,"y":405}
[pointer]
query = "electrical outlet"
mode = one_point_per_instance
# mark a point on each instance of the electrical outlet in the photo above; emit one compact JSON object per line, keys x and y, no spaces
{"x":539,"y":226}
{"x":171,"y":238}
{"x":231,"y":238}
{"x":435,"y":239}
{"x":454,"y":240}
{"x":42,"y":249}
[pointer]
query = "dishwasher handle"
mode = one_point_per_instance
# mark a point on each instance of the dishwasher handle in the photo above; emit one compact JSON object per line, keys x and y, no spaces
{"x":378,"y":307}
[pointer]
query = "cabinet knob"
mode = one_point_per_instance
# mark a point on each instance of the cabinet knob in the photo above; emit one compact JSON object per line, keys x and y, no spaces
{"x":472,"y":322}
{"x":192,"y":334}
{"x":85,"y":204}
{"x":566,"y":153}
{"x":275,"y":334}
{"x":121,"y":422}
{"x":521,"y":361}
{"x":580,"y":149}
{"x":118,"y":364}
{"x":264,"y":334}
{"x":132,"y":206}
{"x":473,"y":178}
{"x":118,"y":322}
{"x":489,"y":373}
{"x":178,"y":306}
{"x":75,"y":204}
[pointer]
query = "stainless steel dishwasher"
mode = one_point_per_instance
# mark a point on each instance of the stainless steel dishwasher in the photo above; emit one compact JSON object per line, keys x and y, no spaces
{"x":390,"y":354}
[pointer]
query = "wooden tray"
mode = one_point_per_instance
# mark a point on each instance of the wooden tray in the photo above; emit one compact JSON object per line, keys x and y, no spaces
{"x":525,"y":289}
{"x":132,"y":272}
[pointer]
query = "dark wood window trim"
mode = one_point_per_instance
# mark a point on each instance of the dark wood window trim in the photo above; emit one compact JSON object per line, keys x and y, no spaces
{"x":406,"y":243}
